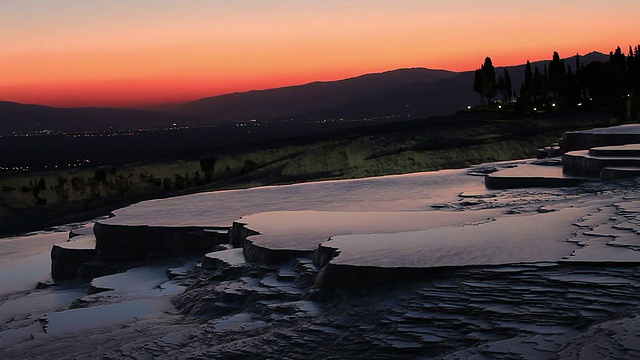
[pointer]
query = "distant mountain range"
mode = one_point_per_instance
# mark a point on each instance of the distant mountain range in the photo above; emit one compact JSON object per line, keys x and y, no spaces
{"x":415,"y":93}
{"x":403,"y":93}
{"x":313,"y":97}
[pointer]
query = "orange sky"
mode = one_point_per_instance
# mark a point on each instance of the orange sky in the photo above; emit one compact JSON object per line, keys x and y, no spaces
{"x":131,"y":53}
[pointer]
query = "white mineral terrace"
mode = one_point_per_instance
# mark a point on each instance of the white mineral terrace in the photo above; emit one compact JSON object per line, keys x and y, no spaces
{"x":623,"y":148}
{"x":560,"y":281}
{"x":411,"y":192}
{"x":490,"y":235}
{"x":437,"y":219}
{"x":524,"y":273}
{"x":533,"y":171}
{"x":507,"y":240}
{"x":305,"y":230}
{"x":79,"y":242}
{"x":622,"y":129}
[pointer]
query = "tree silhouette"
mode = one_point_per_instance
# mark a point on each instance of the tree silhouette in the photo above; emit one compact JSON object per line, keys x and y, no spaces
{"x":596,"y":81}
{"x":580,"y":78}
{"x":557,"y":73}
{"x":525,"y":89}
{"x":544,"y":83}
{"x":489,"y":77}
{"x":537,"y":84}
{"x":617,"y":68}
{"x":633,"y":67}
{"x":528,"y":74}
{"x":477,"y":85}
{"x":484,"y":82}
{"x":571,"y":88}
{"x":614,"y":84}
{"x":503,"y":85}
{"x":507,"y":84}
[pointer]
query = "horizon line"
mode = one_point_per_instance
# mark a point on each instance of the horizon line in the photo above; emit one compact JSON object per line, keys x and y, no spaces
{"x":157,"y":105}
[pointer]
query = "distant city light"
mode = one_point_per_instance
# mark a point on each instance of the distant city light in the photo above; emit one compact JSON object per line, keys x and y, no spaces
{"x":469,"y":107}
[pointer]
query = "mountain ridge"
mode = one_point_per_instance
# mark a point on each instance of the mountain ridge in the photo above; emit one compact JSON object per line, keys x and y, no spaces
{"x":314,"y":96}
{"x":429,"y":92}
{"x":396,"y":94}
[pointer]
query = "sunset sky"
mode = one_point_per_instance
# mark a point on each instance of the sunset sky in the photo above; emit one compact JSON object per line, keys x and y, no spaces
{"x":140,"y":52}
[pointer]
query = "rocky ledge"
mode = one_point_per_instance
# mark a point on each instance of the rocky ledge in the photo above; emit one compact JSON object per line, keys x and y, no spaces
{"x":87,"y":255}
{"x":460,"y":271}
{"x":605,"y":153}
{"x":372,"y":230}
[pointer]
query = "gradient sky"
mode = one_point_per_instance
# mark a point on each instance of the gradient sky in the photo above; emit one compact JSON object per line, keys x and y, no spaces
{"x":137,"y":52}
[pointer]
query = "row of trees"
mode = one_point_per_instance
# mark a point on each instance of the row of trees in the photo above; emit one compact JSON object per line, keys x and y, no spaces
{"x":614,"y":83}
{"x":486,"y":85}
{"x":558,"y":83}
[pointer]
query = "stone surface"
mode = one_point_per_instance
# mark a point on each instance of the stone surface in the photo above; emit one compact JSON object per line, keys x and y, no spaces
{"x":606,"y":153}
{"x":386,"y":193}
{"x":531,"y":175}
{"x":216,"y":259}
{"x":628,"y":150}
{"x":129,"y":243}
{"x":613,"y":173}
{"x":67,"y":257}
{"x":287,"y":234}
{"x":549,"y":273}
{"x":508,"y":240}
{"x":590,"y":152}
{"x":582,"y":163}
{"x":615,"y":135}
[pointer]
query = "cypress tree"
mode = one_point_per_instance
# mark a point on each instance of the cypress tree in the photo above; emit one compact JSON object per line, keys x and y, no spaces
{"x":618,"y":70}
{"x":571,"y":91}
{"x":528,"y":79}
{"x":537,"y":84}
{"x":489,"y":79}
{"x":501,"y":87}
{"x":507,"y":83}
{"x":557,"y":73}
{"x":484,"y":82}
{"x":477,"y":85}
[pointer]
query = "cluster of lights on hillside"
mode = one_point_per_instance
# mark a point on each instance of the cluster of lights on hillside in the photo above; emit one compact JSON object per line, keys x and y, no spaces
{"x":104,"y":133}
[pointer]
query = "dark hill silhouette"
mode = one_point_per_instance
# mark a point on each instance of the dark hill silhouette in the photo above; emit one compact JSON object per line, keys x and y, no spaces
{"x":313,"y":97}
{"x":405,"y":93}
{"x":443,"y":97}
{"x":418,"y":100}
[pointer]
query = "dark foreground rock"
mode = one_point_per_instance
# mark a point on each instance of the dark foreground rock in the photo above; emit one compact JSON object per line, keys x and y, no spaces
{"x":130,"y":243}
{"x":65,"y":262}
{"x":604,"y":153}
{"x":544,"y":310}
{"x":114,"y":244}
{"x":591,"y":163}
{"x":586,"y":139}
{"x":236,"y":305}
{"x":499,"y":312}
